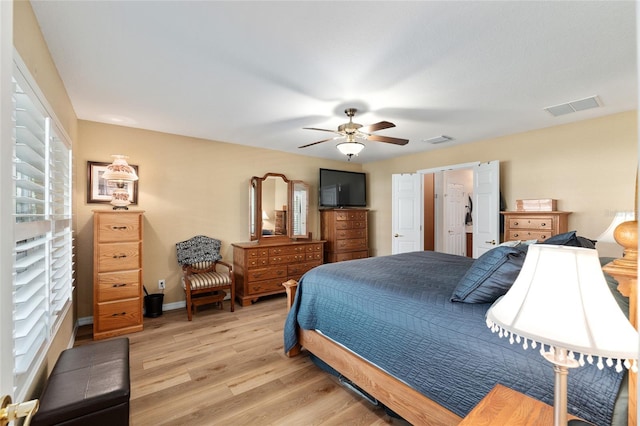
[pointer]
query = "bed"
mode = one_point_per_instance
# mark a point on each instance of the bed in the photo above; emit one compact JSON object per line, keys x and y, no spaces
{"x":388,"y":324}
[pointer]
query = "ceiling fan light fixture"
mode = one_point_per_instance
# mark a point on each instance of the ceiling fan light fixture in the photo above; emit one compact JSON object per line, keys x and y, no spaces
{"x":352,"y":131}
{"x":350,"y":148}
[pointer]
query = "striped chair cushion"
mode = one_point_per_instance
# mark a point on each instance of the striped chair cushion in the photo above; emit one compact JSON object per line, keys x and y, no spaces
{"x":208,"y":280}
{"x":201,"y":265}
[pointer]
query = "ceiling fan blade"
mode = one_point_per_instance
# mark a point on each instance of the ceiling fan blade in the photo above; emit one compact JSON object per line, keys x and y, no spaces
{"x":388,"y":139}
{"x":377,"y":126}
{"x":322,"y":130}
{"x":323,"y":140}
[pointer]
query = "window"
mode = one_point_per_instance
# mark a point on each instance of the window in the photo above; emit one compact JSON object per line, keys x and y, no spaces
{"x":43,"y":244}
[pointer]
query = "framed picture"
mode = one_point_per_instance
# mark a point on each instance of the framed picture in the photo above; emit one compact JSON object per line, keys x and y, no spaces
{"x":99,"y":190}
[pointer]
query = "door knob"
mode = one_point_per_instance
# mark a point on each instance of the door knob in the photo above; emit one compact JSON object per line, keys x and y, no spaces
{"x":397,"y":235}
{"x":10,"y":412}
{"x":492,"y":242}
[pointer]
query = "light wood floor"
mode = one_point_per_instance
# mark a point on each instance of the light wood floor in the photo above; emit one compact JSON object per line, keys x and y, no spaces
{"x":229,"y":368}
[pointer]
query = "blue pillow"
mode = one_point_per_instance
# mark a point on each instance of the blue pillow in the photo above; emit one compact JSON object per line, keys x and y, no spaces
{"x":571,"y":239}
{"x":490,"y":276}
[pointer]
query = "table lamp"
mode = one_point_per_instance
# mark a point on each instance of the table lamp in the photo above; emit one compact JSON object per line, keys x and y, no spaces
{"x":561,"y":299}
{"x":120,"y":172}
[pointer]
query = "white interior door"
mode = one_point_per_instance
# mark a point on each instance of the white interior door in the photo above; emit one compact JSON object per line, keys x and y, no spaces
{"x":406,"y":213}
{"x":454,"y":211}
{"x":486,"y":207}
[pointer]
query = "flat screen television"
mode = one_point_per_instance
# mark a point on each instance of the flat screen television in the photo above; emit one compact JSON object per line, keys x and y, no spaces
{"x":339,"y":188}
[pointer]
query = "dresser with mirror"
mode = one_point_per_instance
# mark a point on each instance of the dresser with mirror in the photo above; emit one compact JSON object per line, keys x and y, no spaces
{"x":280,"y":246}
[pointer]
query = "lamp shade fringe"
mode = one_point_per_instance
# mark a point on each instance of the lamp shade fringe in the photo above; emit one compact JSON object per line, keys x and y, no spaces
{"x":629,"y":364}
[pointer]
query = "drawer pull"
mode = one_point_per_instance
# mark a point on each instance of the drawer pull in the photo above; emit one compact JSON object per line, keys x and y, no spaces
{"x":516,"y":223}
{"x":516,"y":235}
{"x":543,"y":224}
{"x":118,"y":227}
{"x":120,"y":285}
{"x":119,"y":256}
{"x":118,"y":314}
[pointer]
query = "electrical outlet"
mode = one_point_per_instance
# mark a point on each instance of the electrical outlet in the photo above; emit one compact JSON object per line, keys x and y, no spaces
{"x":161,"y":284}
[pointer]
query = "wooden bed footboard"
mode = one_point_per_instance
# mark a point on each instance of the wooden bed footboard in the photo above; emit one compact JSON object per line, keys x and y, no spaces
{"x":393,"y":393}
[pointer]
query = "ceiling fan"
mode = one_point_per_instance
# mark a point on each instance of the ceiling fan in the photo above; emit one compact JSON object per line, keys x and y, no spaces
{"x":352,"y":131}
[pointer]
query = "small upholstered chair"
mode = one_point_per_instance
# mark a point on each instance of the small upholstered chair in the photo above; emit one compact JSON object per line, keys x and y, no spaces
{"x":202,"y":282}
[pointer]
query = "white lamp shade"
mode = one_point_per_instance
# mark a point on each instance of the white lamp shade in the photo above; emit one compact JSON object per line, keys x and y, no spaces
{"x":350,"y":148}
{"x":620,"y":217}
{"x":120,"y":170}
{"x":561,"y":299}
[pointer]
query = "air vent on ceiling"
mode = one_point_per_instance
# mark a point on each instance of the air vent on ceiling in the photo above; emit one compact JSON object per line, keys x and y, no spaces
{"x":438,"y":139}
{"x":573,"y":106}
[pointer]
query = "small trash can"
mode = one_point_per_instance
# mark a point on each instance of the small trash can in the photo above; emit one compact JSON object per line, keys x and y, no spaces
{"x":153,"y":304}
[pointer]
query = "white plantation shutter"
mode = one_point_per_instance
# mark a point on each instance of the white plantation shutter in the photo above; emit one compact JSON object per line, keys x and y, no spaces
{"x":30,"y":151}
{"x":61,"y":244}
{"x":30,"y":301}
{"x":43,"y":245}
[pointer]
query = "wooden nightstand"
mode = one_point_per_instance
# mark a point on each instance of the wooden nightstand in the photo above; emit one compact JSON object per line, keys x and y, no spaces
{"x":504,"y":406}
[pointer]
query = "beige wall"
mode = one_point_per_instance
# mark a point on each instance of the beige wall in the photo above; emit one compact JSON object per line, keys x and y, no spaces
{"x":187,"y":186}
{"x":33,"y":50}
{"x":589,"y":167}
{"x":192,"y":186}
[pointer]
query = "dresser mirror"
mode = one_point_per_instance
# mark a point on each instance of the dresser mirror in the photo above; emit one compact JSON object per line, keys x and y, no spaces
{"x":271,"y":198}
{"x":299,"y":207}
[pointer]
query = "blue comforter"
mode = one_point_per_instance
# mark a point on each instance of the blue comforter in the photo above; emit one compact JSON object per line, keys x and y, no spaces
{"x":395,"y":312}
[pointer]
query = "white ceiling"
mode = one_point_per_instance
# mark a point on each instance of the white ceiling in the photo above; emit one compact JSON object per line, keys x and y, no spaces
{"x":255,"y":73}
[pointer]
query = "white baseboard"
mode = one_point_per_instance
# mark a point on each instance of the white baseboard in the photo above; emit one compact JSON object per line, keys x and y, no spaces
{"x":84,"y":321}
{"x":174,"y":305}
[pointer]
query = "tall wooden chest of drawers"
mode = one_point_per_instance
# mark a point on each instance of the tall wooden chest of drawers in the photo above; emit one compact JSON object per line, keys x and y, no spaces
{"x":346,"y":234}
{"x":539,"y":226}
{"x":117,"y":273}
{"x":261,"y":268}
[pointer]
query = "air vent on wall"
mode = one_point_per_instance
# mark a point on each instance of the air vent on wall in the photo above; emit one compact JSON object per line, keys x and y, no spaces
{"x":438,"y":139}
{"x":573,"y":106}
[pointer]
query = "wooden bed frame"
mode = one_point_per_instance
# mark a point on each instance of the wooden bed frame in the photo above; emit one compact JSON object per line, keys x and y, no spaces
{"x":409,"y":403}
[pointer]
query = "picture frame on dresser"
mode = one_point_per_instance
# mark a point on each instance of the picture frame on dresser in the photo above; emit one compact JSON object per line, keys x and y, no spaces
{"x":99,"y":190}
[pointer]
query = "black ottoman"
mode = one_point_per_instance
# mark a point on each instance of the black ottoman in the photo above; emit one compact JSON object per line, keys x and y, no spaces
{"x":89,"y":385}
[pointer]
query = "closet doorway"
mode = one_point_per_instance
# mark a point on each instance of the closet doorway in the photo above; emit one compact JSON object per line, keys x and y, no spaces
{"x":448,"y":211}
{"x":452,"y":209}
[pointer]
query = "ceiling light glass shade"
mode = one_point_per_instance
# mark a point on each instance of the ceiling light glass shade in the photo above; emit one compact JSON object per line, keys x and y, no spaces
{"x":350,"y":148}
{"x":120,"y":170}
{"x":561,"y":299}
{"x":607,"y":235}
